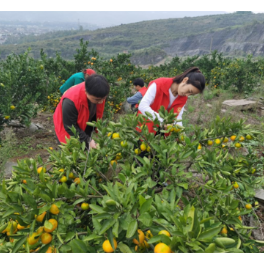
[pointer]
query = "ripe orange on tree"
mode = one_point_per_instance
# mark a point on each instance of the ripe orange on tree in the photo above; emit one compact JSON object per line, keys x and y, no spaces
{"x":141,"y":238}
{"x":164,"y":232}
{"x":40,"y":217}
{"x":225,"y":140}
{"x":40,"y":169}
{"x":149,"y":234}
{"x":236,"y":186}
{"x":107,"y":246}
{"x":224,"y":231}
{"x":248,"y":206}
{"x":77,"y":180}
{"x":24,"y":181}
{"x":113,"y":161}
{"x":85,"y":206}
{"x":123,"y":144}
{"x":209,"y":142}
{"x":54,"y":209}
{"x":241,"y":138}
{"x":46,"y":238}
{"x":143,"y":147}
{"x":137,"y":151}
{"x":54,"y":226}
{"x":20,"y":227}
{"x":51,"y":250}
{"x":115,"y":135}
{"x":63,"y":179}
{"x":32,"y":240}
{"x":233,"y":138}
{"x":162,"y":248}
{"x":238,"y":145}
{"x":217,"y":141}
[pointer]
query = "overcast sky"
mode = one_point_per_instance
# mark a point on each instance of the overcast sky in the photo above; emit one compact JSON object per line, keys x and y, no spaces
{"x":99,"y":18}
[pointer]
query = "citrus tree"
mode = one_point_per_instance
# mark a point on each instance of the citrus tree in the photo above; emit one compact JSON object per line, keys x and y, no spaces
{"x":186,"y":192}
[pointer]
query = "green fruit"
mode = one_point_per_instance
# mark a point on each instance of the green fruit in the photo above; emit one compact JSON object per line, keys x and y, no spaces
{"x":110,"y":202}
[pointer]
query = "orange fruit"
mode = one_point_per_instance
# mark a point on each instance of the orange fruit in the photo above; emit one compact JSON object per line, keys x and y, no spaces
{"x":224,"y":231}
{"x":24,"y":181}
{"x":46,"y":238}
{"x":248,"y":206}
{"x":137,"y":151}
{"x":20,"y":227}
{"x":54,"y":226}
{"x":241,"y":138}
{"x":107,"y":246}
{"x":40,"y":217}
{"x":115,"y":135}
{"x":238,"y":145}
{"x":40,"y":229}
{"x":63,"y":179}
{"x":248,"y":137}
{"x":162,"y":248}
{"x":148,"y":149}
{"x":141,"y":238}
{"x":199,"y":146}
{"x":113,"y":161}
{"x":164,"y":232}
{"x":225,"y":140}
{"x":233,"y":138}
{"x":209,"y":142}
{"x":217,"y":141}
{"x":77,"y":180}
{"x":40,"y":169}
{"x":85,"y":206}
{"x":32,"y":240}
{"x":123,"y":144}
{"x":71,"y":175}
{"x":236,"y":186}
{"x":118,"y":156}
{"x":149,"y":234}
{"x":54,"y":209}
{"x":143,"y":147}
{"x":51,"y":250}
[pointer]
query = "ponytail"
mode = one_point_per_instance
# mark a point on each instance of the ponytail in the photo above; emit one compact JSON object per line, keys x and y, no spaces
{"x":195,"y":78}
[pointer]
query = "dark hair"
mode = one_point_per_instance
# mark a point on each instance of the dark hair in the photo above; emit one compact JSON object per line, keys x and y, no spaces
{"x":97,"y":86}
{"x":139,"y":82}
{"x":195,"y":76}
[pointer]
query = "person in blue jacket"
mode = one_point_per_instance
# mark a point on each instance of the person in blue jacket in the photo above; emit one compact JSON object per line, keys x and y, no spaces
{"x":136,"y":98}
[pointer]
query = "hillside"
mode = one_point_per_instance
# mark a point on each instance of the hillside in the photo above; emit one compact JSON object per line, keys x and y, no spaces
{"x":149,"y":42}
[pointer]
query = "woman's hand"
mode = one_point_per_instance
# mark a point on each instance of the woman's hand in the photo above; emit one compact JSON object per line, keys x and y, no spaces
{"x":92,"y":144}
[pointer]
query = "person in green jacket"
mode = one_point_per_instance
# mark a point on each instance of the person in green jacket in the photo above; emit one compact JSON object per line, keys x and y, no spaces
{"x":76,"y":78}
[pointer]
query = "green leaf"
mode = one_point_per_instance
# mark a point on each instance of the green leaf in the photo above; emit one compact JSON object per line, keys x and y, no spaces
{"x":78,"y":246}
{"x":48,"y":225}
{"x":18,"y":244}
{"x":115,"y":229}
{"x":132,"y":227}
{"x":65,"y":249}
{"x":124,"y":248}
{"x":69,"y":236}
{"x":208,"y":235}
{"x":145,"y":219}
{"x":184,"y":185}
{"x":8,"y":212}
{"x":107,"y":224}
{"x":44,"y":249}
{"x":210,"y":248}
{"x":96,"y":208}
{"x":146,"y":206}
{"x":79,"y":201}
{"x":91,"y":237}
{"x":3,"y":227}
{"x":29,"y":200}
{"x":45,"y":208}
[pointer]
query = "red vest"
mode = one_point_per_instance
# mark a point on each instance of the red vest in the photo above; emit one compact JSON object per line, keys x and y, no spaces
{"x":143,"y":91}
{"x":79,"y":98}
{"x":162,"y":98}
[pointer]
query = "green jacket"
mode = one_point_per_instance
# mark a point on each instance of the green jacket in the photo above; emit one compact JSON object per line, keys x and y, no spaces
{"x":73,"y":80}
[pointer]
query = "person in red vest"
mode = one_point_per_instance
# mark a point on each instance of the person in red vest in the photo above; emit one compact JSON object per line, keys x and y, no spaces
{"x":137,"y":97}
{"x":172,"y":93}
{"x":82,"y":103}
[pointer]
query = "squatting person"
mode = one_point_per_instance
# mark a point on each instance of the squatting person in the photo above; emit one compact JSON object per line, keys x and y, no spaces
{"x":172,"y":93}
{"x":137,"y":97}
{"x":82,"y":103}
{"x":76,"y":78}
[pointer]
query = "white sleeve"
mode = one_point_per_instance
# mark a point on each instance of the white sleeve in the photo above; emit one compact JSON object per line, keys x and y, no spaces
{"x":179,"y":117}
{"x":147,"y":100}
